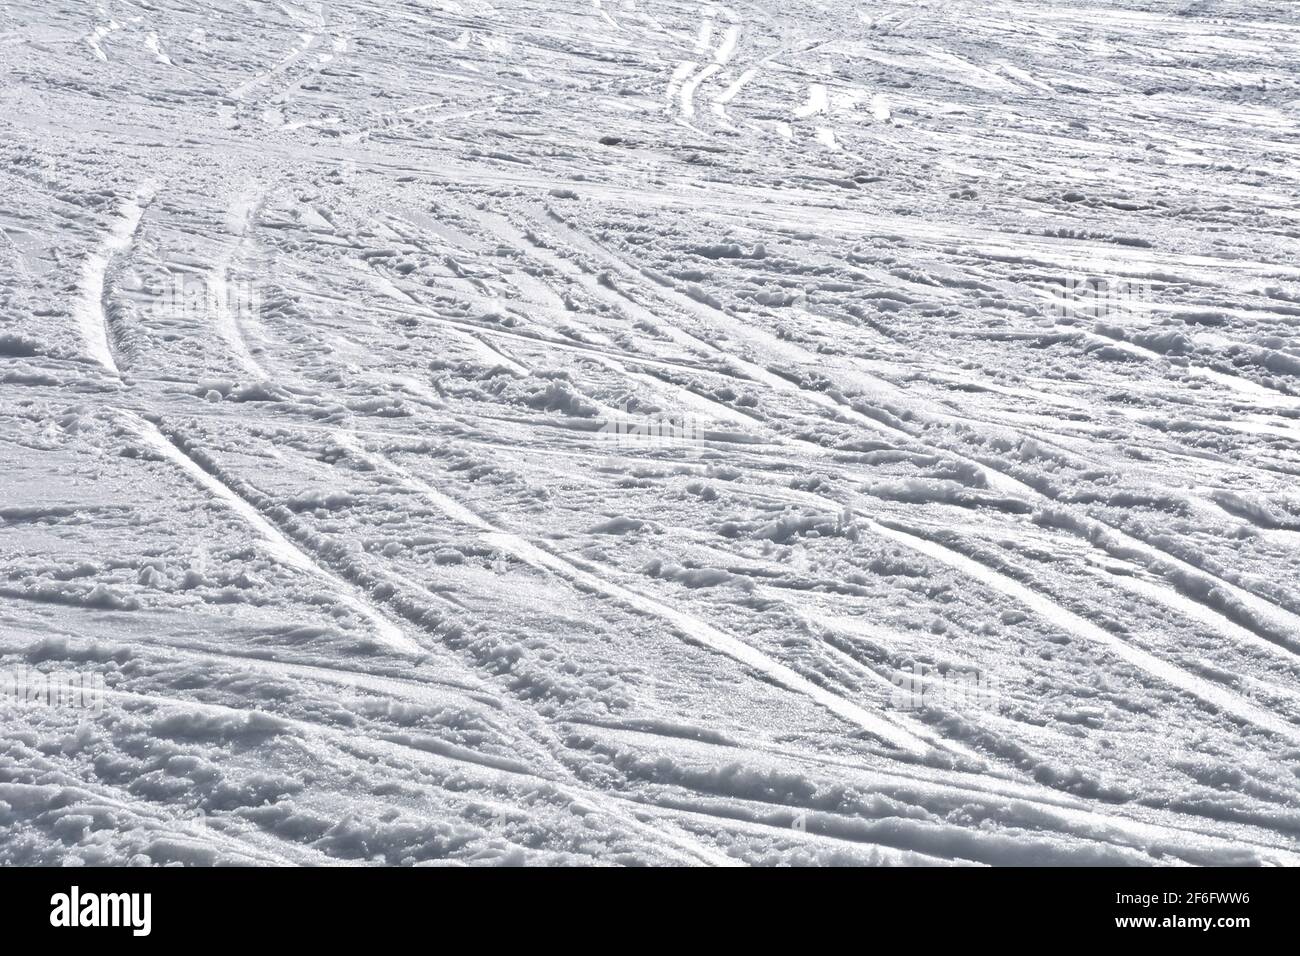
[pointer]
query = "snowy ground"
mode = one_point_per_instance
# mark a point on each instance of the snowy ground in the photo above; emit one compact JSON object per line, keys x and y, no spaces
{"x":638,"y":431}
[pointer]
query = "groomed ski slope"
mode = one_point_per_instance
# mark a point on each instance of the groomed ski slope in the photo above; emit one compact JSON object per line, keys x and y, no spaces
{"x":650,"y":432}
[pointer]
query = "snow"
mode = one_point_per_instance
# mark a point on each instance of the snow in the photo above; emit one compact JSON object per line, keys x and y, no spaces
{"x":650,"y":433}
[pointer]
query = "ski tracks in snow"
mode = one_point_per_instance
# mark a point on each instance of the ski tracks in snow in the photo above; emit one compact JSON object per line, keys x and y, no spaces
{"x":467,"y":361}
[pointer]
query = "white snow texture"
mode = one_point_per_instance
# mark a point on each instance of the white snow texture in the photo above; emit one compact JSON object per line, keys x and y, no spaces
{"x":650,"y":432}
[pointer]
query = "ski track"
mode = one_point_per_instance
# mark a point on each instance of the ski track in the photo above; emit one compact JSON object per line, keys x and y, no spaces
{"x":1104,"y":536}
{"x":275,"y":541}
{"x":1211,"y":693}
{"x":92,"y":311}
{"x":691,"y":626}
{"x":226,"y":319}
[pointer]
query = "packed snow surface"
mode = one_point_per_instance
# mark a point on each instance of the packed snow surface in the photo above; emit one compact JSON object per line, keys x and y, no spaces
{"x":640,"y":431}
